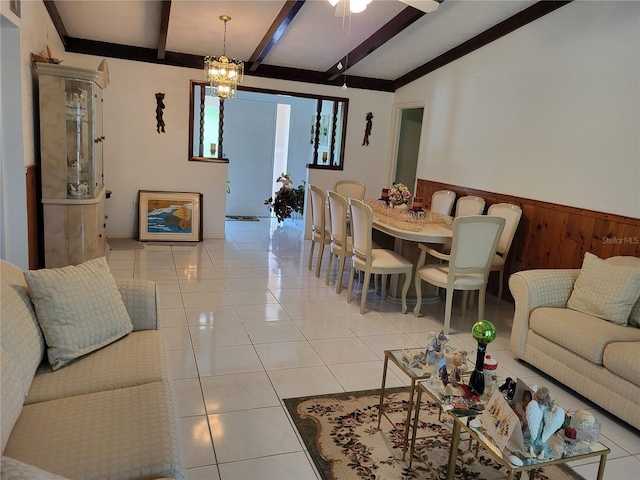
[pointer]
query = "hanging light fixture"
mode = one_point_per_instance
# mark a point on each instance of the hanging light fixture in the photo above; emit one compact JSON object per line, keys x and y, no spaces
{"x":355,"y":6}
{"x":223,"y":74}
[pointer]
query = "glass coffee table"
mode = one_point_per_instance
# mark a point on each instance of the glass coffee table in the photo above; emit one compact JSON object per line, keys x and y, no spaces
{"x":562,"y":455}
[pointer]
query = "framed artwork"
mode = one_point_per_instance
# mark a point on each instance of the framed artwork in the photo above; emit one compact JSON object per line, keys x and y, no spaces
{"x":14,"y":6}
{"x":169,"y":216}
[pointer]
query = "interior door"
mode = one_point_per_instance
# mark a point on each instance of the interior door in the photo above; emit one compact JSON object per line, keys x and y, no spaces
{"x":408,"y":146}
{"x":249,"y":143}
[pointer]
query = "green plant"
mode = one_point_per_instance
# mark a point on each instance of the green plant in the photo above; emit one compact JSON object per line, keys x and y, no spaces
{"x":287,"y":199}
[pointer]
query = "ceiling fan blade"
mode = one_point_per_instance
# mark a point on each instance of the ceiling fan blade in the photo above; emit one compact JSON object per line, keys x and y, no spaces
{"x":424,"y":5}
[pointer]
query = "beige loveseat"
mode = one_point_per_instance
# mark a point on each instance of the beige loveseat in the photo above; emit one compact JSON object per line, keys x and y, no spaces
{"x":109,"y":414}
{"x":595,"y":357}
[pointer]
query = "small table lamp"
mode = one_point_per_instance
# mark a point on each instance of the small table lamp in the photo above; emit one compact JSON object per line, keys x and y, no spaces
{"x":484,"y":332}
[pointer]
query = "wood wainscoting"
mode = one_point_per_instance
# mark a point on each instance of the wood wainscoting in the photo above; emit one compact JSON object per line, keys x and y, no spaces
{"x":34,"y":217}
{"x":551,"y":235}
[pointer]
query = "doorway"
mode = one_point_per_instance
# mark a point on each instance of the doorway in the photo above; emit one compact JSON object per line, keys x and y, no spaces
{"x":410,"y":128}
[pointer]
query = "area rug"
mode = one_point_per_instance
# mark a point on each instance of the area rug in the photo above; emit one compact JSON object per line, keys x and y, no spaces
{"x":124,"y":244}
{"x":341,"y":435}
{"x":242,"y":218}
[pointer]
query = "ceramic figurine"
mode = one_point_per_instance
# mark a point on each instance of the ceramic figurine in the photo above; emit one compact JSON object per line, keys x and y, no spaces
{"x":544,"y":419}
{"x":434,"y":349}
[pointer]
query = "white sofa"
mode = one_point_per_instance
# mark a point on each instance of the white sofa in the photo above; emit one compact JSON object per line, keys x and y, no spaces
{"x":111,"y":414}
{"x":592,"y":356}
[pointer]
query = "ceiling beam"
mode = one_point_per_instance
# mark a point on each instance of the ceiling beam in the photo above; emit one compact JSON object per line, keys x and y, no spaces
{"x":278,"y":27}
{"x":512,"y":23}
{"x":164,"y":28}
{"x":397,"y":24}
{"x":57,"y":20}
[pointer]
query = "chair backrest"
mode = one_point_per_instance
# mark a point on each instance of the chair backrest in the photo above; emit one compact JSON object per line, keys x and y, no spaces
{"x":361,"y":224}
{"x":338,"y":207}
{"x":350,"y":189}
{"x":469,"y":205}
{"x":442,"y":201}
{"x":318,"y":202}
{"x":511,"y":213}
{"x":474,"y":243}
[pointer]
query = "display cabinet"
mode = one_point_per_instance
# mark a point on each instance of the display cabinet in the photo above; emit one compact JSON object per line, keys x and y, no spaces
{"x":71,"y":162}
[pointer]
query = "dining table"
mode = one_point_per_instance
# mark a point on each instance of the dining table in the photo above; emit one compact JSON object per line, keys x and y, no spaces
{"x":400,"y":230}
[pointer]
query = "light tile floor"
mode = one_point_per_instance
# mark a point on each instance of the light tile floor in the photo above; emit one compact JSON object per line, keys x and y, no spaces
{"x":247,"y":324}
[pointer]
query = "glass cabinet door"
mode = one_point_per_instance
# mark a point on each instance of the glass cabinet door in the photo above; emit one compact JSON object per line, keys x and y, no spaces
{"x":84,"y":170}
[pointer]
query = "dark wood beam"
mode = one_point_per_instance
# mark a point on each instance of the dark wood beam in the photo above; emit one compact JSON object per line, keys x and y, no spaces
{"x":512,"y":23}
{"x":164,"y":28}
{"x":397,"y":24}
{"x":278,"y":27}
{"x":57,"y":20}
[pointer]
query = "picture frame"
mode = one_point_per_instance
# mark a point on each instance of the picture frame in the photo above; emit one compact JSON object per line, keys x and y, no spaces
{"x":15,"y":7}
{"x":169,"y":216}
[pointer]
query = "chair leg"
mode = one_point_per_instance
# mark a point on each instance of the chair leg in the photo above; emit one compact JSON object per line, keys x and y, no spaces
{"x":418,"y":283}
{"x":405,"y":289}
{"x":500,"y":281}
{"x":383,"y":290}
{"x":481,"y":295}
{"x":365,"y":288}
{"x":326,"y":282}
{"x":465,"y":297}
{"x":376,"y":283}
{"x":350,"y":288}
{"x":340,"y":272}
{"x":313,"y":244}
{"x":447,"y":310}
{"x":472,"y":298}
{"x":319,"y":261}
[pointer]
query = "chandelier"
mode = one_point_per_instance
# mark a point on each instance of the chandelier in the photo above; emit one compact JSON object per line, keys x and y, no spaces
{"x":223,"y":74}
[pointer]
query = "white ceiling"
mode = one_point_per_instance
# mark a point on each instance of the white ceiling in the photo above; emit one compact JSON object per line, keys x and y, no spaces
{"x":316,"y":38}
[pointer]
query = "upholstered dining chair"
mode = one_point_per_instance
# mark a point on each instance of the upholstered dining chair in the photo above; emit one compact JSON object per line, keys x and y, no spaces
{"x":341,"y":243}
{"x":512,"y":214}
{"x":373,"y":260}
{"x":320,"y":233}
{"x":470,"y":205}
{"x":473,"y":246}
{"x":442,"y":201}
{"x":350,"y":189}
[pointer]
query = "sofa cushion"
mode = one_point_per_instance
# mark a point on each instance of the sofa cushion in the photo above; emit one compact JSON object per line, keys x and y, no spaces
{"x":583,"y":334}
{"x":634,"y":316}
{"x":604,"y":290}
{"x":136,"y":359}
{"x":12,"y":395}
{"x":19,"y":331}
{"x":79,"y":309}
{"x":13,"y":469}
{"x":621,"y":358}
{"x":125,"y":433}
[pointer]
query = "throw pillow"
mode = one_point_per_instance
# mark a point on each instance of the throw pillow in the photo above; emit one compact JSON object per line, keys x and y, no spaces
{"x":604,"y":290}
{"x":628,"y":261}
{"x":79,"y":309}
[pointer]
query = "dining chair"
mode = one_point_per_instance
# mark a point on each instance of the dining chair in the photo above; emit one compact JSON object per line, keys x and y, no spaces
{"x":442,"y":201}
{"x":320,"y":233}
{"x":470,"y":205}
{"x":474,"y":243}
{"x":341,"y":243}
{"x":512,"y":214}
{"x":373,"y":260}
{"x":350,"y":189}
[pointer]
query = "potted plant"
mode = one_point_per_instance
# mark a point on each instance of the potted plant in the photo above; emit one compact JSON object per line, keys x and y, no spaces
{"x":287,"y":199}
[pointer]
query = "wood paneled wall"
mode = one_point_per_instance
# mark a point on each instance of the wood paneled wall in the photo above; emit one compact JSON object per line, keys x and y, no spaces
{"x":34,"y":208}
{"x":551,"y":235}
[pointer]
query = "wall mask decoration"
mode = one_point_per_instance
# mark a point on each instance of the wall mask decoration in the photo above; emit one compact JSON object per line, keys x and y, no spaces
{"x":159,"y":109}
{"x":367,"y":129}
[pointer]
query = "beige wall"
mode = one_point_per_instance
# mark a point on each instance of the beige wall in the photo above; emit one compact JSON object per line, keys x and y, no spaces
{"x":548,"y":112}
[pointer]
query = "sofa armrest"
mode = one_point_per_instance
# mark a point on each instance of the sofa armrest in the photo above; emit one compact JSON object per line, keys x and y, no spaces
{"x":537,"y":288}
{"x":141,"y":297}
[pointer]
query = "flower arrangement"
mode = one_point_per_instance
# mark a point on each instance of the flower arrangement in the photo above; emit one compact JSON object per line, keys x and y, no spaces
{"x":287,"y":199}
{"x":399,"y":194}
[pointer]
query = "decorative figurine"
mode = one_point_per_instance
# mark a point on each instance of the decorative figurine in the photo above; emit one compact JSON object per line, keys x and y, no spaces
{"x":367,"y":130}
{"x":434,"y":349}
{"x":544,"y":419}
{"x":159,"y":108}
{"x":458,"y":359}
{"x":484,"y":332}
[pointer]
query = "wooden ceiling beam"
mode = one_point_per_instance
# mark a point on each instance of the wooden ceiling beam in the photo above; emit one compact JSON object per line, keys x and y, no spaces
{"x":396,"y":25}
{"x":289,"y":10}
{"x":57,"y":20}
{"x":164,"y":28}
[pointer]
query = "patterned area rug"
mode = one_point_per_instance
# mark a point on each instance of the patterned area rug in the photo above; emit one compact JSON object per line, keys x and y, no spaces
{"x":341,"y":434}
